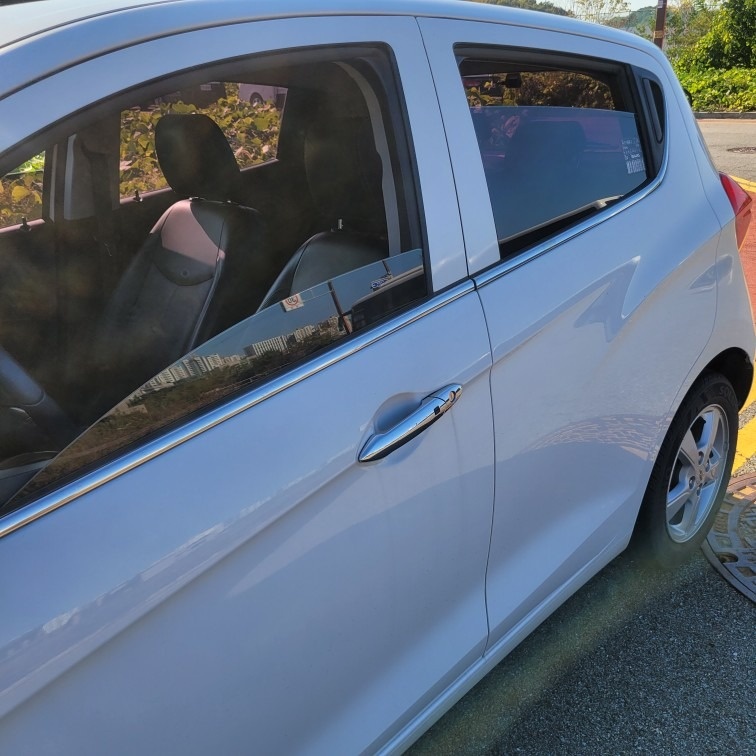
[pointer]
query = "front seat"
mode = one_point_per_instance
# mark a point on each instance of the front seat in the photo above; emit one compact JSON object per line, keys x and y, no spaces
{"x":344,"y":178}
{"x":202,"y":268}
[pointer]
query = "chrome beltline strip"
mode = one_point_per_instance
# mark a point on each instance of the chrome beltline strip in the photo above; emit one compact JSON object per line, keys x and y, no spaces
{"x":56,"y":499}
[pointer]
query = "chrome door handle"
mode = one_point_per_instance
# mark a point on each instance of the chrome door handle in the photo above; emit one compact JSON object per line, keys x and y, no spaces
{"x":431,"y":409}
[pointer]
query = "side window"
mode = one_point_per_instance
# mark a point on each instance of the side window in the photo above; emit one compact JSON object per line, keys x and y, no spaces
{"x":21,"y":192}
{"x":245,"y":275}
{"x":557,"y":143}
{"x":248,"y":114}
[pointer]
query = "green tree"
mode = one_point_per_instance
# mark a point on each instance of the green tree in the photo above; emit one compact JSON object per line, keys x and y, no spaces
{"x":545,"y":7}
{"x":21,"y":192}
{"x":251,"y":130}
{"x":712,"y":89}
{"x":731,"y":40}
{"x":687,"y":22}
{"x":599,"y":11}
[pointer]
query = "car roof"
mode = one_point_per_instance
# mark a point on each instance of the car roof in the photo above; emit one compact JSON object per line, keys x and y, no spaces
{"x":25,"y":20}
{"x":41,"y":37}
{"x":18,"y":22}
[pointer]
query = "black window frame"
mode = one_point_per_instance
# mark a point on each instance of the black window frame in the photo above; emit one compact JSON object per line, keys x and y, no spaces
{"x":627,"y":86}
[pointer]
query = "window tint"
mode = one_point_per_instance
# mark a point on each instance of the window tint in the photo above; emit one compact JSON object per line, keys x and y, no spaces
{"x":282,"y":334}
{"x":170,"y":305}
{"x":248,"y":114}
{"x":557,"y":144}
{"x":21,"y":192}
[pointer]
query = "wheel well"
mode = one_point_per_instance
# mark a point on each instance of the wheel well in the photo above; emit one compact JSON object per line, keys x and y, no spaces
{"x":735,"y":365}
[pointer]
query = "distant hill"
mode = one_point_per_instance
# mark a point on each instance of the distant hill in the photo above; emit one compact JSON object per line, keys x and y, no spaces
{"x":643,"y":17}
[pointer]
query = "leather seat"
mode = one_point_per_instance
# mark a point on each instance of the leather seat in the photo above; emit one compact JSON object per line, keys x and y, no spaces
{"x":202,"y":268}
{"x":322,"y":257}
{"x":344,"y":177}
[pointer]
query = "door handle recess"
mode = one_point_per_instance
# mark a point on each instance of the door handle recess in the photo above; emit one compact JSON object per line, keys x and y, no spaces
{"x":431,"y":409}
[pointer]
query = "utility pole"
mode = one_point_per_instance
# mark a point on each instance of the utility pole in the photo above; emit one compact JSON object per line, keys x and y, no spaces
{"x":661,"y":18}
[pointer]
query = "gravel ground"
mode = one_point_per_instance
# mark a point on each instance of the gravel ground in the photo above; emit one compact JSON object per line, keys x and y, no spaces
{"x":747,"y":415}
{"x":635,"y":663}
{"x":749,"y":468}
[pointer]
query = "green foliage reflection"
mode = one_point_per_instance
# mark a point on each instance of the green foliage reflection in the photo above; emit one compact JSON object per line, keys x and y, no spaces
{"x":251,"y":130}
{"x":21,"y":192}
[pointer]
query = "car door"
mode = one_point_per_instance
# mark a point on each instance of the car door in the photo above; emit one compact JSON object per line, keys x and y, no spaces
{"x":589,"y":301}
{"x":298,"y":567}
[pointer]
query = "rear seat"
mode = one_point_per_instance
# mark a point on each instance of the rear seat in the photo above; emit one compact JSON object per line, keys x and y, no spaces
{"x":542,"y":158}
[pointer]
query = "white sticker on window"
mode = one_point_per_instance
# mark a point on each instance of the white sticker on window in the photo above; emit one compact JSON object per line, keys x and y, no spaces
{"x":633,"y":155}
{"x":294,"y":302}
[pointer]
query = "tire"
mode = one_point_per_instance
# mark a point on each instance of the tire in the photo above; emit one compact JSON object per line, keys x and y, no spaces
{"x":691,"y":473}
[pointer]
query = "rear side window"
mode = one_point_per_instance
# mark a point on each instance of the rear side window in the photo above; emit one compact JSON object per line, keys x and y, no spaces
{"x":557,"y":143}
{"x":21,"y":192}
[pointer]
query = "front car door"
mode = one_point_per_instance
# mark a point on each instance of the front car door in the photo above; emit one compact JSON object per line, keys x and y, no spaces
{"x":210,"y":567}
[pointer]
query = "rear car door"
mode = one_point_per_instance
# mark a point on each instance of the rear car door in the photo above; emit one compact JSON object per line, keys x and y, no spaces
{"x":596,"y":312}
{"x":210,"y":567}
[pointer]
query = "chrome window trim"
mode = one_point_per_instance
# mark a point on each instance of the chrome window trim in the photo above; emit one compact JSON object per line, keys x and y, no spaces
{"x":501,"y":268}
{"x":154,"y":448}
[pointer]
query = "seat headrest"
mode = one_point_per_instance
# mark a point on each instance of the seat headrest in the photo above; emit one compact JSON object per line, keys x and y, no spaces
{"x":344,"y":172}
{"x":195,"y":157}
{"x":550,"y":140}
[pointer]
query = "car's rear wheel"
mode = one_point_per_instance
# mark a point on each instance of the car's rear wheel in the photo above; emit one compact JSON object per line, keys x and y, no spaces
{"x":691,"y":473}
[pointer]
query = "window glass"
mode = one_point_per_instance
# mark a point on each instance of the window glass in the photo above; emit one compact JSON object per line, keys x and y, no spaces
{"x":168,"y":309}
{"x":21,"y":192}
{"x":248,"y":114}
{"x":283,"y":333}
{"x":557,"y":145}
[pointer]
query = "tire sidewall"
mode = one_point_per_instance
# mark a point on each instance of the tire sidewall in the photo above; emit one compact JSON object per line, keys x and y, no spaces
{"x":652,"y":533}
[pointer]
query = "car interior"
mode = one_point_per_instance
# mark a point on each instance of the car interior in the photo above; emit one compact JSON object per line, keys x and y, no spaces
{"x":104,"y":291}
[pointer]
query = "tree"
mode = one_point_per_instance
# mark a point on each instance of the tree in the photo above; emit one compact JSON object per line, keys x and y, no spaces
{"x":731,"y":40}
{"x":687,"y":22}
{"x":599,"y":11}
{"x":546,"y":7}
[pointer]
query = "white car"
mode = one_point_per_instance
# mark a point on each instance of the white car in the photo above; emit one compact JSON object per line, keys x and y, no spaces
{"x":309,"y":416}
{"x":257,"y":94}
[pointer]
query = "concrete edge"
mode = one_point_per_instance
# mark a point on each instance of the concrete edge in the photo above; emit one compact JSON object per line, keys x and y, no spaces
{"x":703,"y":115}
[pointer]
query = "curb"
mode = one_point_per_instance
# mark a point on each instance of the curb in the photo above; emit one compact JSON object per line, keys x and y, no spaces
{"x":722,"y":114}
{"x":749,"y":186}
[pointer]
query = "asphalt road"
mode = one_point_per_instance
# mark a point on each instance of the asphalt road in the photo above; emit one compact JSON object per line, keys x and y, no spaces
{"x":636,"y":662}
{"x":727,"y":139}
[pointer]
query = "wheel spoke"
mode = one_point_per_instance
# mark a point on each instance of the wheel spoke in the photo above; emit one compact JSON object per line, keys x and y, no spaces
{"x":710,"y":432}
{"x":676,"y":500}
{"x":689,"y":449}
{"x":713,"y":471}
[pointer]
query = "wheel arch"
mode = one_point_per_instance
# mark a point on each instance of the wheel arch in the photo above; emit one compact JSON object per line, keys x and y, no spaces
{"x":735,"y":365}
{"x":726,"y":383}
